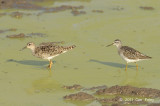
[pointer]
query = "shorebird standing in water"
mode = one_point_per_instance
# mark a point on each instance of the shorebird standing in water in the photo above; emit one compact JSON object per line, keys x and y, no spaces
{"x":48,"y":50}
{"x":129,"y":54}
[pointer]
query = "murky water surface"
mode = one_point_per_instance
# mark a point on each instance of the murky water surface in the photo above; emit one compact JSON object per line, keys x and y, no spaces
{"x":25,"y":80}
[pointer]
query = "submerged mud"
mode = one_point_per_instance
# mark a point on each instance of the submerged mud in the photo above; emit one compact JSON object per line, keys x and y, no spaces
{"x":18,"y":4}
{"x":73,"y":87}
{"x":96,"y":88}
{"x":98,"y":11}
{"x":26,"y":4}
{"x":7,"y":30}
{"x":82,"y":96}
{"x":126,"y":95}
{"x":22,"y":35}
{"x":30,"y":5}
{"x":146,"y":8}
{"x":130,"y":91}
{"x":77,"y":12}
{"x":19,"y":15}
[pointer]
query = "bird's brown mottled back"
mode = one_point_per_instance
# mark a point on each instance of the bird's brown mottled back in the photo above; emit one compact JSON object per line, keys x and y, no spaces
{"x":50,"y":49}
{"x":131,"y":53}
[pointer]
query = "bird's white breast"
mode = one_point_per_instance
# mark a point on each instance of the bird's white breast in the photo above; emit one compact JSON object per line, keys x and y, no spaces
{"x":51,"y":57}
{"x":128,"y":60}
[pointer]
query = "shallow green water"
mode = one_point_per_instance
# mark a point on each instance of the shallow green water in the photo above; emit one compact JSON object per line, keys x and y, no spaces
{"x":25,"y":81}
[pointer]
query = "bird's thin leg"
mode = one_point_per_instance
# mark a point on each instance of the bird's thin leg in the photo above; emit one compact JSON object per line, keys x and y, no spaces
{"x":49,"y":64}
{"x":136,"y":65}
{"x":126,"y":66}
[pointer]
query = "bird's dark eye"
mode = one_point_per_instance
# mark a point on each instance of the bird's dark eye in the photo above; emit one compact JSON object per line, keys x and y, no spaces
{"x":29,"y":44}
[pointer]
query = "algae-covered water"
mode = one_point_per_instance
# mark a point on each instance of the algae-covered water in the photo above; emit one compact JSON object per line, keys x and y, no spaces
{"x":25,"y":80}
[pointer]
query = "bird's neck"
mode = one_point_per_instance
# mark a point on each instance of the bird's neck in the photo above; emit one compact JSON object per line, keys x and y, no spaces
{"x":119,"y":48}
{"x":33,"y":49}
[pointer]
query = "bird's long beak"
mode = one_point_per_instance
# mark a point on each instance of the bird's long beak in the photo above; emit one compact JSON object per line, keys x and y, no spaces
{"x":23,"y":48}
{"x":110,"y":45}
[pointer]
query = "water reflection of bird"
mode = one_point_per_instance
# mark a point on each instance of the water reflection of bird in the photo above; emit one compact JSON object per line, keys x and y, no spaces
{"x":48,"y":50}
{"x":129,"y":54}
{"x":44,"y":84}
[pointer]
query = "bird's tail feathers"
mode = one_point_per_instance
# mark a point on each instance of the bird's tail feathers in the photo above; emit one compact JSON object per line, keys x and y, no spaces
{"x":69,"y":47}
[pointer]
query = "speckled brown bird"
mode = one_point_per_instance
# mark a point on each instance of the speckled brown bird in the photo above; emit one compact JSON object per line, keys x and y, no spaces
{"x":48,"y":50}
{"x":129,"y":54}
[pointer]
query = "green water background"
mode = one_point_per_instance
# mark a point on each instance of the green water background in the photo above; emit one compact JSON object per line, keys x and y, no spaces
{"x":25,"y":81}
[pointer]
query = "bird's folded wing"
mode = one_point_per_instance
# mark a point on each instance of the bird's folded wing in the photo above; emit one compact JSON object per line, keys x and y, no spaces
{"x":131,"y":53}
{"x":50,"y":43}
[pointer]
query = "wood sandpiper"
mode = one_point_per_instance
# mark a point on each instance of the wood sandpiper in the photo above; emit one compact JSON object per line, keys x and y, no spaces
{"x":129,"y":54}
{"x":47,"y":50}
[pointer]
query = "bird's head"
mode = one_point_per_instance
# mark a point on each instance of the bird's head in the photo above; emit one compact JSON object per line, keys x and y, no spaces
{"x":29,"y":45}
{"x":116,"y":42}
